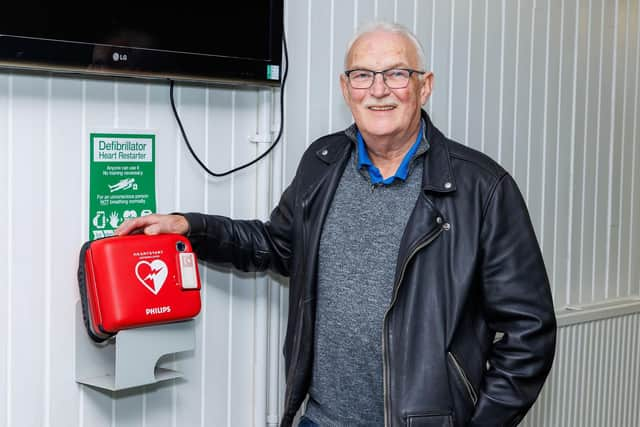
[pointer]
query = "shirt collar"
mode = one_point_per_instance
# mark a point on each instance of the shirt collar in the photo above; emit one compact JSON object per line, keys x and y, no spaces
{"x":364,"y":161}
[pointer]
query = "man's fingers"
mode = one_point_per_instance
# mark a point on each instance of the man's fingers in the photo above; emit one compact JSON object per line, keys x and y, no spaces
{"x":132,"y":224}
{"x":152,"y":229}
{"x":154,"y":224}
{"x":124,"y":228}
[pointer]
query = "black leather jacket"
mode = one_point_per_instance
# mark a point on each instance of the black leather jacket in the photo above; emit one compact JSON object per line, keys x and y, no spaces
{"x":469,"y":266}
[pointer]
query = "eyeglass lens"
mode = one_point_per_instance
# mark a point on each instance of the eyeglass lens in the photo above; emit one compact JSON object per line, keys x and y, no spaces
{"x":394,"y":78}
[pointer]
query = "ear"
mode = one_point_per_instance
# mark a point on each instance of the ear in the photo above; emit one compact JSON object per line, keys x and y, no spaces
{"x":426,"y":87}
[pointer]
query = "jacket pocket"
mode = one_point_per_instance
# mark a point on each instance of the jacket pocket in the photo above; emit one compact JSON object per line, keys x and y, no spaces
{"x":435,"y":419}
{"x":462,"y":377}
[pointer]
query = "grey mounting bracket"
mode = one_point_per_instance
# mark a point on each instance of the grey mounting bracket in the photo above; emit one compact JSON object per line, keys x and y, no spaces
{"x":129,"y":359}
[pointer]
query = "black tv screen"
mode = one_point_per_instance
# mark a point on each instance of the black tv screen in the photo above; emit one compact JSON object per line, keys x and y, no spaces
{"x":215,"y":41}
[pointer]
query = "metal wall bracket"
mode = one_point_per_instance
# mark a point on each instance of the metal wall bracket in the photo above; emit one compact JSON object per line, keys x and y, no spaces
{"x":129,"y":359}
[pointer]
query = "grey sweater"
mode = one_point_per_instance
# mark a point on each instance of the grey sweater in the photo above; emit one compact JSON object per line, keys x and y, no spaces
{"x":358,"y":253}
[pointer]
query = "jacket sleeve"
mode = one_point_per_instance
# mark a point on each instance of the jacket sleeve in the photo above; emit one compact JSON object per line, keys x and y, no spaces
{"x":518,"y":303}
{"x":249,"y":245}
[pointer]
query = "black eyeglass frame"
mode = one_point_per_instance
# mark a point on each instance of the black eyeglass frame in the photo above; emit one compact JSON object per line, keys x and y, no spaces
{"x":384,"y":77}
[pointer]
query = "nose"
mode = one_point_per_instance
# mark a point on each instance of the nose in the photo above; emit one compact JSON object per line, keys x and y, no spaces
{"x":379,"y":87}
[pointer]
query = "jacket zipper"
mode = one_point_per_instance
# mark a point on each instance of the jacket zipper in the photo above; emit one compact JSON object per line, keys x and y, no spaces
{"x":396,"y":286}
{"x":465,"y":379}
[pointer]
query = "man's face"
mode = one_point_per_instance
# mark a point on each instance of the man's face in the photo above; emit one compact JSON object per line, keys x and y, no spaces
{"x":378,"y":110}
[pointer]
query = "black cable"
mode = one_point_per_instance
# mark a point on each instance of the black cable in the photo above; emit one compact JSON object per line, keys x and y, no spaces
{"x":275,"y":142}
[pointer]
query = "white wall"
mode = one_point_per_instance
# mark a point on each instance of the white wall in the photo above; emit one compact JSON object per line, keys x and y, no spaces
{"x":45,"y":122}
{"x":548,"y":88}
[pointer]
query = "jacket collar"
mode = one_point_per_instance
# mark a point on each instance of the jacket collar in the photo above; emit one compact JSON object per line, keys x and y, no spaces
{"x":437,"y":175}
{"x":329,"y":153}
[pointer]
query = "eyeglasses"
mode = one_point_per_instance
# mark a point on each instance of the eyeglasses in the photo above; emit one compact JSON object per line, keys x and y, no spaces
{"x":394,"y":78}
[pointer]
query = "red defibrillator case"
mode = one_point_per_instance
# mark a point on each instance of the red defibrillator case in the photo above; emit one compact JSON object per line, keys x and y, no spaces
{"x":137,"y":280}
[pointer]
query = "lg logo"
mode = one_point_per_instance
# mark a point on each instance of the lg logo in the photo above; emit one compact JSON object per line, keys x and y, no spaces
{"x":119,"y":56}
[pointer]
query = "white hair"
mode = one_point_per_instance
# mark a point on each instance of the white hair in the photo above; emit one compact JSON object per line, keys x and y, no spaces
{"x":389,"y":27}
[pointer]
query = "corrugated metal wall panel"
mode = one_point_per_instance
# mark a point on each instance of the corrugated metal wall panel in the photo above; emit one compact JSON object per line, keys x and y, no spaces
{"x":27,"y":207}
{"x":634,"y":247}
{"x":65,"y":234}
{"x":6,"y":153}
{"x":544,"y":87}
{"x":216,"y":318}
{"x":564,"y":146}
{"x":548,"y":88}
{"x":594,"y":380}
{"x":158,"y":404}
{"x":628,"y":115}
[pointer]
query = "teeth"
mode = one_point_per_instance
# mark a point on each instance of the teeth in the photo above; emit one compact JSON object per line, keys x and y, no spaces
{"x":384,"y":108}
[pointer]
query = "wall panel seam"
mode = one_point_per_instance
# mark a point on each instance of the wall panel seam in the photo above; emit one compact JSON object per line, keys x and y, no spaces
{"x":9,"y":340}
{"x":514,"y":136}
{"x":556,"y":185}
{"x":468,"y":77}
{"x":527,"y":185}
{"x":501,"y":92}
{"x":230,"y":283}
{"x":572,"y":160}
{"x":632,"y":241}
{"x":584,"y":142}
{"x":205,"y":274}
{"x":484,"y":80}
{"x":83,"y":211}
{"x":623,"y":178}
{"x":595,"y":243}
{"x":48,"y":262}
{"x":614,"y":81}
{"x":450,"y":89}
{"x":544,"y":127}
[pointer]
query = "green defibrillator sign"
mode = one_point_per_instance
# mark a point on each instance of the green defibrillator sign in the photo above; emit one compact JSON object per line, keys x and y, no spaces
{"x":122,"y":180}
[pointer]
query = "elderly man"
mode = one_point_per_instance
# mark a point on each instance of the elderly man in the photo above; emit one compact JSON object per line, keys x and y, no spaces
{"x":407,"y":254}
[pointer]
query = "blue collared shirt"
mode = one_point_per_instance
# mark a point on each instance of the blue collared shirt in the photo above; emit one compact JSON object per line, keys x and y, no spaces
{"x":374,"y":173}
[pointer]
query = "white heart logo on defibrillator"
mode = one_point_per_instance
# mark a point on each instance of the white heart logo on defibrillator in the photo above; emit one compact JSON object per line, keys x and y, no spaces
{"x":152,"y":274}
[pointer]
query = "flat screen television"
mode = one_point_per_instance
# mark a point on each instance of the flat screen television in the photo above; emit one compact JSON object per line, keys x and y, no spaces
{"x":238,"y":42}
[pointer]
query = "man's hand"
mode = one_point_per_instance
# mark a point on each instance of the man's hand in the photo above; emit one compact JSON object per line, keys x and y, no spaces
{"x":155,"y":224}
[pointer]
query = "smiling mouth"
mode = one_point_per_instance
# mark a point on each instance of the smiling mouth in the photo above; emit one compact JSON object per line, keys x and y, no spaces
{"x":381,"y":107}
